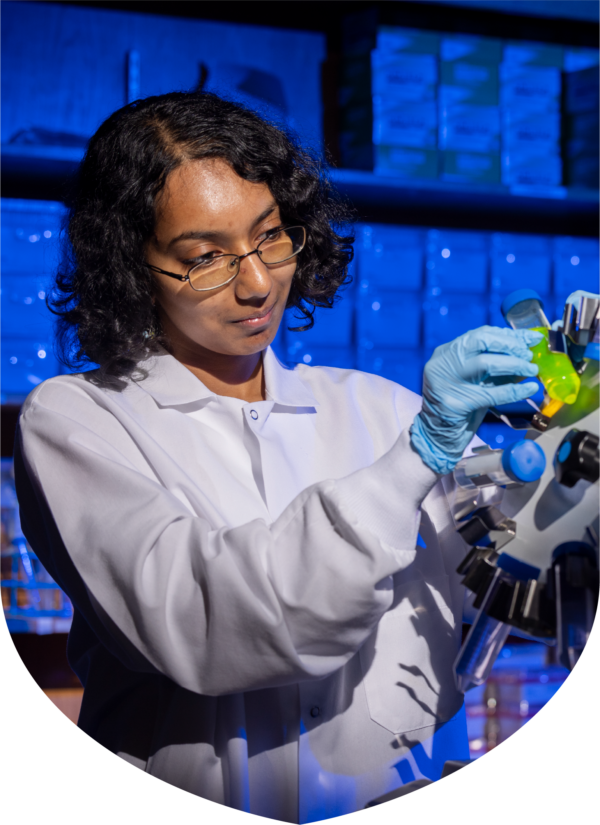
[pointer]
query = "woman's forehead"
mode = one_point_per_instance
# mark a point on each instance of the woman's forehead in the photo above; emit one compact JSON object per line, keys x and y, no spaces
{"x":210,"y":190}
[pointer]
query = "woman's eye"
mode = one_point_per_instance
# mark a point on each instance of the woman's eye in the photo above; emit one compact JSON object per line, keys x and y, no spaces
{"x":201,"y":259}
{"x":270,"y":234}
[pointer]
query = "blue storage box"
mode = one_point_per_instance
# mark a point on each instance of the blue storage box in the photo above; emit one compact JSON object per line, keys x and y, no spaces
{"x":528,"y":87}
{"x":576,"y":265}
{"x":30,"y":235}
{"x":457,"y":261}
{"x":469,"y":128}
{"x":519,"y":262}
{"x":390,"y":257}
{"x":25,"y":364}
{"x":446,"y":318}
{"x":412,"y":124}
{"x":315,"y":356}
{"x":403,"y":77}
{"x":528,"y":168}
{"x":526,"y":53}
{"x":389,"y":319}
{"x":24,"y":310}
{"x":403,"y":366}
{"x":529,"y":130}
{"x":333,"y":327}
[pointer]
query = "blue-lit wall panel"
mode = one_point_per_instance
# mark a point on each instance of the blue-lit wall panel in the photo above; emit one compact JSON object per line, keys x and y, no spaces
{"x":66,"y":68}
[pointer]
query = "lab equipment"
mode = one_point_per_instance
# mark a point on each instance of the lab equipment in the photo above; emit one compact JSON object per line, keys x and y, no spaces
{"x":533,"y":563}
{"x":575,"y":569}
{"x":580,"y":324}
{"x":489,"y":631}
{"x":31,"y":600}
{"x":577,"y":458}
{"x":464,"y":376}
{"x":523,"y":309}
{"x":520,"y":462}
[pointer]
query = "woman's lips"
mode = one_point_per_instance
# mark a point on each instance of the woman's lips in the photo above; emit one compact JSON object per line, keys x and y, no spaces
{"x":257,"y":320}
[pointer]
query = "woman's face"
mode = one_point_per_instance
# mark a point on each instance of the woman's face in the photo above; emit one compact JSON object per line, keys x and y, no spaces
{"x":204,"y":209}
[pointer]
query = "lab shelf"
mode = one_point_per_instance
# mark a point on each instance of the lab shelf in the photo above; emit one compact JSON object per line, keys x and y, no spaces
{"x":29,"y":161}
{"x":390,"y":199}
{"x":558,"y":209}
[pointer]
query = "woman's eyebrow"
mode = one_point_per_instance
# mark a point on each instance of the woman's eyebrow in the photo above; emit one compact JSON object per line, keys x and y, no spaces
{"x":199,"y":235}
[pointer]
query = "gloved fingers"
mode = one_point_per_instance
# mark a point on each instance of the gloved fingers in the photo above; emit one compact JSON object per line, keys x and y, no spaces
{"x":573,"y":299}
{"x":581,"y":293}
{"x":491,"y":365}
{"x":496,"y":339}
{"x":509,"y":393}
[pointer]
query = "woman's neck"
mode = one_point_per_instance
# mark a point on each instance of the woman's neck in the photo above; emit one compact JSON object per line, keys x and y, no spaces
{"x":235,"y":376}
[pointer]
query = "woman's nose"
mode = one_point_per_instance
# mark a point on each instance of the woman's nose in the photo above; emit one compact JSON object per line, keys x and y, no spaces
{"x":253,"y":280}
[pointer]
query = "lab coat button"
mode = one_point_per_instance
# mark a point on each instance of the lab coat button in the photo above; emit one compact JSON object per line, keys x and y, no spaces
{"x":314,"y":712}
{"x":253,"y":414}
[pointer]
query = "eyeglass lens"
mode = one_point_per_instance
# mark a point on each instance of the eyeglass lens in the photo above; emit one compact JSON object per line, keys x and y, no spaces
{"x":275,"y":249}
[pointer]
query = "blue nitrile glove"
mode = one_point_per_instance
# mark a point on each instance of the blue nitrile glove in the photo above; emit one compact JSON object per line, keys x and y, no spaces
{"x":574,"y":299}
{"x":461,"y":380}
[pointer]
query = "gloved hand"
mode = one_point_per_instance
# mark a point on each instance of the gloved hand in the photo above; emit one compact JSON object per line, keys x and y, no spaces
{"x":461,"y":380}
{"x":574,"y":299}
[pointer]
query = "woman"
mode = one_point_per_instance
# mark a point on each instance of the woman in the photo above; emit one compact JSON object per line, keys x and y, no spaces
{"x":254,"y":621}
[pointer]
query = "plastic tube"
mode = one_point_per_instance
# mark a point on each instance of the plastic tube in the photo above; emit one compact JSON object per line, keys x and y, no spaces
{"x":519,"y":463}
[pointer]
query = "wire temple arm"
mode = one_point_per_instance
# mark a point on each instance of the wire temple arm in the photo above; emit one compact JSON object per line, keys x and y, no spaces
{"x":170,"y":274}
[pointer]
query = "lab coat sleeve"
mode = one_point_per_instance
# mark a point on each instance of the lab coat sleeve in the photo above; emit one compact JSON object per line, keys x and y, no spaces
{"x":217,"y":611}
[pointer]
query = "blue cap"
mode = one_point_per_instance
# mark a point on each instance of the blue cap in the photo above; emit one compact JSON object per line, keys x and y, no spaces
{"x":575,"y":548}
{"x":519,"y":569}
{"x":524,"y":461}
{"x":516,"y":297}
{"x":592,"y":351}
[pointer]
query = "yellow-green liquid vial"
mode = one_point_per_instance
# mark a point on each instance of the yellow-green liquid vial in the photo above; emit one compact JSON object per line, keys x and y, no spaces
{"x":555,"y":371}
{"x":523,"y":309}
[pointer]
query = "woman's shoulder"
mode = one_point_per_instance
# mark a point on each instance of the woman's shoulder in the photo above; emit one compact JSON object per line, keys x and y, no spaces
{"x":354,"y":385}
{"x":71,"y":394}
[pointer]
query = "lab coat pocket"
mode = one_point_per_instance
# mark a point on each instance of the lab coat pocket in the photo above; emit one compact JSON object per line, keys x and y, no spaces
{"x":407,"y":661}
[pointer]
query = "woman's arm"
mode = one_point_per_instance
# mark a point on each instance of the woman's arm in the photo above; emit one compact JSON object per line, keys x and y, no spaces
{"x":217,"y":611}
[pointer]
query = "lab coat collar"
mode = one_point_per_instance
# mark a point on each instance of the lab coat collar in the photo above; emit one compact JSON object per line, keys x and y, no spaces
{"x":284,"y":385}
{"x":172,"y":385}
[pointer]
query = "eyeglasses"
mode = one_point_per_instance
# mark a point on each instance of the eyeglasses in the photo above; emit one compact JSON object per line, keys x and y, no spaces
{"x":212,"y":271}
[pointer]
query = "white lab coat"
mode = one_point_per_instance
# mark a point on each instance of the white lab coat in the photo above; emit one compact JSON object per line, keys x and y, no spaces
{"x":254,"y":621}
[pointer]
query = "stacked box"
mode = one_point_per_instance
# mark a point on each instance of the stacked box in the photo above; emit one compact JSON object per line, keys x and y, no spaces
{"x":404,"y":79}
{"x":581,"y":139}
{"x":457,"y":261}
{"x":30,"y":252}
{"x":578,"y":58}
{"x":329,"y":342}
{"x":390,"y":275}
{"x":530,"y":93}
{"x":469,"y":119}
{"x":576,"y":266}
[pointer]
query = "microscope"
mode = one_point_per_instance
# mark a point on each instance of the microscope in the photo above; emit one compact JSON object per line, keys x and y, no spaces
{"x":530,"y":512}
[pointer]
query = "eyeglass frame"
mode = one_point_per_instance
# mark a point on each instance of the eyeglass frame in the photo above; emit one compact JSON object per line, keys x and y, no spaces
{"x":240,"y":258}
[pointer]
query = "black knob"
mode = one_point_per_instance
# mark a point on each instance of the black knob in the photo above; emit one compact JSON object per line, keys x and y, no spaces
{"x":577,"y":457}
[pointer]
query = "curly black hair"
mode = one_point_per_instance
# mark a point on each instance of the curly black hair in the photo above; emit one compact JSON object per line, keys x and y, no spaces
{"x":102,"y":293}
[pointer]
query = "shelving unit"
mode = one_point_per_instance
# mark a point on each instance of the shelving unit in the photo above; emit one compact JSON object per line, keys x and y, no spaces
{"x":394,"y":200}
